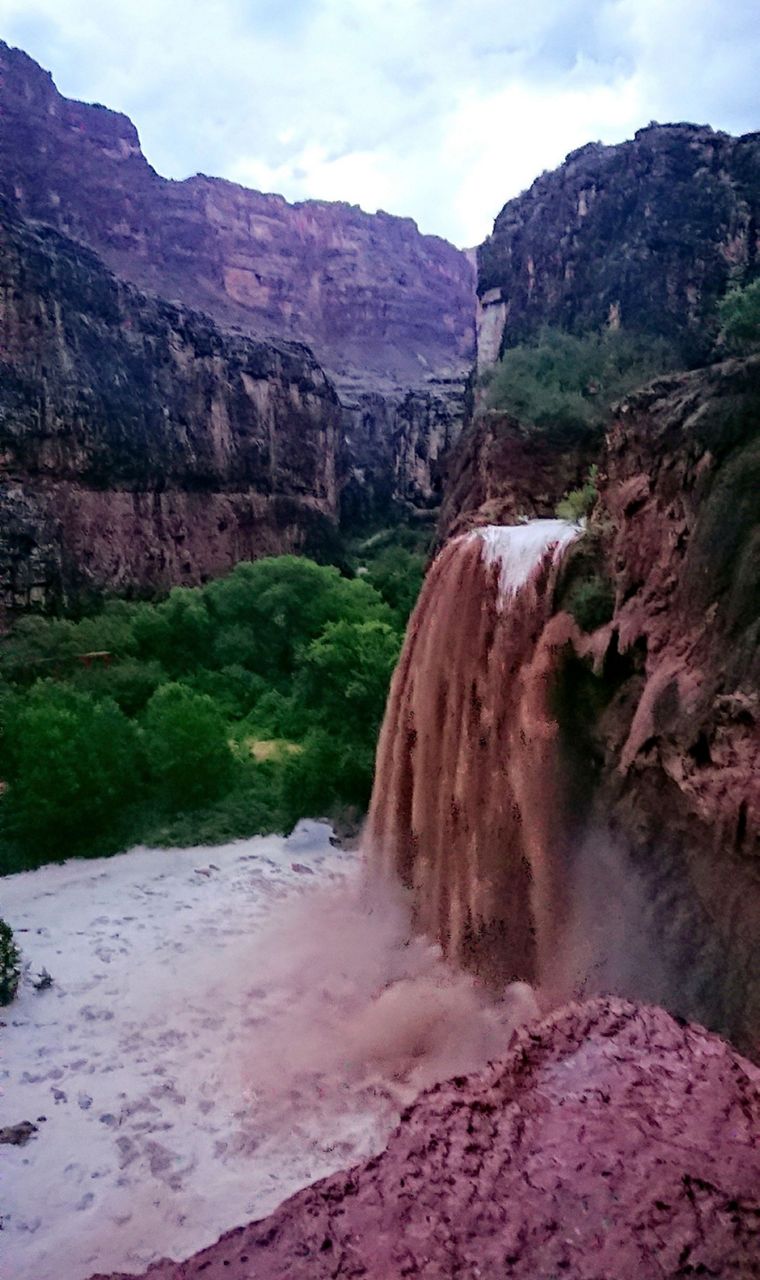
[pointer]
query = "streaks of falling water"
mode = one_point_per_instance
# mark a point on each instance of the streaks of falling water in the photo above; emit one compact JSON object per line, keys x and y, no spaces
{"x":462,"y":809}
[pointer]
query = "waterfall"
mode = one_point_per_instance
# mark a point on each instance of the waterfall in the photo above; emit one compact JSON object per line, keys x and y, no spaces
{"x":464,"y":809}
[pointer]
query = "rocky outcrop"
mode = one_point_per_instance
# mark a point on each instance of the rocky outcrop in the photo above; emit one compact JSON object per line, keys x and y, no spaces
{"x":646,"y":234}
{"x":386,"y":310}
{"x":610,"y":1141}
{"x":669,"y":722}
{"x":503,"y":471}
{"x":140,"y":446}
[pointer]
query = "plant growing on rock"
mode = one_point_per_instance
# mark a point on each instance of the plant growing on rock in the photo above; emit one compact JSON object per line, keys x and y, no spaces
{"x":10,"y":964}
{"x":739,"y":316}
{"x":578,"y":503}
{"x":564,"y":383}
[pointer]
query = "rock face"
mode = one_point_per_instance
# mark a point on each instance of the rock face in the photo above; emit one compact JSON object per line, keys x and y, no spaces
{"x":646,"y":234}
{"x":610,"y":1141}
{"x":386,"y":310}
{"x":660,"y":711}
{"x":503,"y":471}
{"x":140,"y":446}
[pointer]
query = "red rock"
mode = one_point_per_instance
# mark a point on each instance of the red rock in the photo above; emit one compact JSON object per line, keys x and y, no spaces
{"x":609,"y":1142}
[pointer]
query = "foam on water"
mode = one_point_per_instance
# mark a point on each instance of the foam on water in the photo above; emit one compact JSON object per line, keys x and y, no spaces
{"x":518,"y":549}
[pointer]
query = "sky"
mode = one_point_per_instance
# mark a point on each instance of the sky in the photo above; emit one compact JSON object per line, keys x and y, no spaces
{"x":436,"y":109}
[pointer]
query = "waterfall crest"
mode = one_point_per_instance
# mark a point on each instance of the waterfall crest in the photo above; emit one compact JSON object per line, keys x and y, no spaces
{"x":462,"y":810}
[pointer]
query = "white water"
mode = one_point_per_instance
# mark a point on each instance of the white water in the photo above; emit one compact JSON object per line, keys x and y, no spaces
{"x":517,"y":549}
{"x":225,"y":1026}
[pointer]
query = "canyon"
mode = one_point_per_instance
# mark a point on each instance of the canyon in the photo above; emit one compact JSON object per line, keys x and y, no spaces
{"x":567,"y":776}
{"x":387,"y":312}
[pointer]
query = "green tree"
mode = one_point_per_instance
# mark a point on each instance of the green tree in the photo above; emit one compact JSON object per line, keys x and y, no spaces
{"x":739,"y":316}
{"x":344,"y":676}
{"x":186,"y":746}
{"x":285,"y":602}
{"x":10,"y":964}
{"x":397,"y":573}
{"x":74,"y":768}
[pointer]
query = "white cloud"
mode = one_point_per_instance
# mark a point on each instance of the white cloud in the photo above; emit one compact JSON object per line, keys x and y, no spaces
{"x":430,"y":108}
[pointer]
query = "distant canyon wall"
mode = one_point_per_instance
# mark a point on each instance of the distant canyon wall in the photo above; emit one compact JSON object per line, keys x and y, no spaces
{"x":388,"y":312}
{"x":140,"y":446}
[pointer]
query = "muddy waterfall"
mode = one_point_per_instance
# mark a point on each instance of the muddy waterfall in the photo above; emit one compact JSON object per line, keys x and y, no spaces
{"x":462,"y":809}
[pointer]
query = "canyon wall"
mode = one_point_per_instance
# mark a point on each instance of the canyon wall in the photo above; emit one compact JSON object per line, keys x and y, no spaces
{"x":140,"y":446}
{"x":647,"y":234}
{"x":659,"y":704}
{"x":386,"y":310}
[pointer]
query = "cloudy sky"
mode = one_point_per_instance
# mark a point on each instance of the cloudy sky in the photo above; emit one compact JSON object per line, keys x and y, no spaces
{"x":441,"y":109}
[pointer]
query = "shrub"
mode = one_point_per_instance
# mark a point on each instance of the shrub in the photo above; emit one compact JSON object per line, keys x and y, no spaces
{"x":578,"y":503}
{"x":564,"y":384}
{"x":739,"y":316}
{"x":10,"y":964}
{"x":285,"y":602}
{"x":591,"y":601}
{"x":186,"y":746}
{"x":344,"y":676}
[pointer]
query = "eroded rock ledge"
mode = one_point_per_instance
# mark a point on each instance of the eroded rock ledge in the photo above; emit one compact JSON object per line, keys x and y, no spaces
{"x":610,"y":1141}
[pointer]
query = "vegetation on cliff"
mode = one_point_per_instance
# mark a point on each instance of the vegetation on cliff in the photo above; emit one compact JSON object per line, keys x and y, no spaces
{"x":221,"y":711}
{"x":739,"y":315}
{"x":564,"y":383}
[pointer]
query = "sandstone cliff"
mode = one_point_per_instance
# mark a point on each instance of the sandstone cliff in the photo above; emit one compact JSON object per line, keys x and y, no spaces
{"x":608,"y":1142}
{"x":139,"y":445}
{"x":386,"y":310}
{"x":646,"y":234}
{"x":663,"y":736}
{"x":503,"y":471}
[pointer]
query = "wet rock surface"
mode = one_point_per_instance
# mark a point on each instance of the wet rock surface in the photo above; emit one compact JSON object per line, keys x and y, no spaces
{"x":669,"y":722}
{"x":610,"y":1141}
{"x":17,"y":1135}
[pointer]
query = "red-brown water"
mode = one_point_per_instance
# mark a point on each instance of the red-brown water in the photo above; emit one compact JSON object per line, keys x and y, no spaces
{"x":463,"y":810}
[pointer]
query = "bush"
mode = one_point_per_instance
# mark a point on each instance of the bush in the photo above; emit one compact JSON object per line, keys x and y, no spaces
{"x":185,"y":739}
{"x":739,"y":316}
{"x":285,"y":602}
{"x":591,"y":602}
{"x":564,"y":384}
{"x":10,"y":964}
{"x":344,"y":676}
{"x":578,"y":503}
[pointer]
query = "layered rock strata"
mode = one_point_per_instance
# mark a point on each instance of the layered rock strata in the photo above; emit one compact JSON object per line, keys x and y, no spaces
{"x":387,"y":311}
{"x":140,"y":446}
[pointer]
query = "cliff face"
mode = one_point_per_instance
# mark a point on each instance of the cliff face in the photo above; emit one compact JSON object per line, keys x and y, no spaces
{"x":386,"y":310}
{"x":647,"y":234}
{"x":664,"y":735}
{"x":139,"y":445}
{"x":608,"y":1141}
{"x":503,"y":471}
